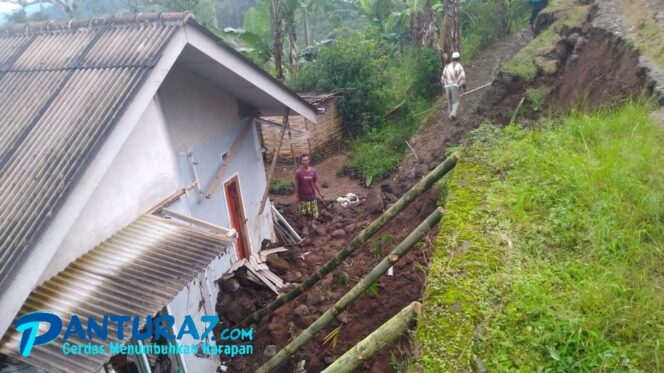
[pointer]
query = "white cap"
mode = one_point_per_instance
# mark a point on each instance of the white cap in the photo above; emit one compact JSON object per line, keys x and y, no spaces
{"x":456,"y":55}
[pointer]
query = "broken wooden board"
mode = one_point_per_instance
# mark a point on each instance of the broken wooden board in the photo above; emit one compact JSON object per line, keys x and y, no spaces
{"x":264,"y":254}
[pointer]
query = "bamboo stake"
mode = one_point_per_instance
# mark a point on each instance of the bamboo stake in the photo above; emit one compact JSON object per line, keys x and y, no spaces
{"x":284,"y":124}
{"x":354,"y":293}
{"x":377,"y":340}
{"x":412,"y":150}
{"x":424,"y":184}
{"x":445,"y":101}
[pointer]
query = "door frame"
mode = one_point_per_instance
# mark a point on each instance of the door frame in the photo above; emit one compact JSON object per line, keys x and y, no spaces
{"x":235,"y":179}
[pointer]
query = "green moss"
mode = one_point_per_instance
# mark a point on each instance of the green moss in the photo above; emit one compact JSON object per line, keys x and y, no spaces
{"x":530,"y":60}
{"x":464,"y":253}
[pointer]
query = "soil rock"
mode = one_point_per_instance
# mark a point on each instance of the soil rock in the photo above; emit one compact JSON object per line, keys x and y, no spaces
{"x":375,"y":203}
{"x":389,"y":186}
{"x":270,"y":350}
{"x":235,"y":312}
{"x":277,"y":264}
{"x":339,"y":233}
{"x":230,"y":284}
{"x":302,"y":310}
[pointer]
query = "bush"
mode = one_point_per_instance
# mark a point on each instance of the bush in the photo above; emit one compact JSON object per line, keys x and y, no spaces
{"x":353,"y":64}
{"x":484,"y":22}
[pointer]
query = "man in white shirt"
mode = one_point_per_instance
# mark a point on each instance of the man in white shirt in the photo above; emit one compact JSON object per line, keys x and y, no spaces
{"x":453,"y":79}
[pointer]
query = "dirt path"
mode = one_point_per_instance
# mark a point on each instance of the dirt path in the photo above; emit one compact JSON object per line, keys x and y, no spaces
{"x":437,"y":132}
{"x":333,"y":186}
{"x":338,"y":226}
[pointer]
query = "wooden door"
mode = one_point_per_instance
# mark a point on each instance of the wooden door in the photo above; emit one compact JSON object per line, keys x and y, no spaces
{"x":238,"y":220}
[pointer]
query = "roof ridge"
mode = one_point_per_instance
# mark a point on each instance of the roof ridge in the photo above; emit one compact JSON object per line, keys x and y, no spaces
{"x":164,"y":18}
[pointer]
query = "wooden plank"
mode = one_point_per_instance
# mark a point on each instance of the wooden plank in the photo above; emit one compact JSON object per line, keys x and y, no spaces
{"x":237,"y":265}
{"x":282,"y":221}
{"x":255,"y":279}
{"x":274,"y":278}
{"x":271,"y":123}
{"x":172,"y":198}
{"x":265,"y":253}
{"x":226,"y":162}
{"x":200,"y":223}
{"x":256,"y":273}
{"x":274,"y":162}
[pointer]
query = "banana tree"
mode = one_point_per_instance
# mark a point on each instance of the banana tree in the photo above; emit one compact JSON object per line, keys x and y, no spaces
{"x":422,"y":23}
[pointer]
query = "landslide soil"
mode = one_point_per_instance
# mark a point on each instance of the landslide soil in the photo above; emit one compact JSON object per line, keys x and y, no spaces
{"x":338,"y":225}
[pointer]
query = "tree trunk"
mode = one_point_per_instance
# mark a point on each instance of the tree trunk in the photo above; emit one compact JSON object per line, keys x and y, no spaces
{"x":354,"y":293}
{"x":215,"y":22}
{"x":450,"y":32}
{"x":376,"y":341}
{"x":292,"y":38}
{"x":424,"y":184}
{"x":423,"y":27}
{"x":277,"y":33}
{"x":307,"y":35}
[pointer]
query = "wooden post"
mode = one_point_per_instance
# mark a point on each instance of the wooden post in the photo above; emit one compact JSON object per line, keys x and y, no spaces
{"x":306,"y":128}
{"x":353,"y":293}
{"x":292,"y":151}
{"x":275,"y":156}
{"x":424,"y":184}
{"x":377,"y":340}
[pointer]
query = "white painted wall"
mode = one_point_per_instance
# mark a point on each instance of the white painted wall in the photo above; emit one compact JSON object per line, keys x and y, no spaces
{"x":190,"y":101}
{"x":195,"y":109}
{"x":143,"y":173}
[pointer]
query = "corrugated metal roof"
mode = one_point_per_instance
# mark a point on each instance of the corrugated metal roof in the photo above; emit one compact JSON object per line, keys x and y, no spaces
{"x":63,"y":87}
{"x":136,"y":272}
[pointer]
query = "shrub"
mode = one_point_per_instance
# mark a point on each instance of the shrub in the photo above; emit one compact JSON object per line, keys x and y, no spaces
{"x":352,"y":64}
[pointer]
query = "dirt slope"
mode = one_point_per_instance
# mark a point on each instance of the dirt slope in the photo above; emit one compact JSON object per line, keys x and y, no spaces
{"x":339,"y":225}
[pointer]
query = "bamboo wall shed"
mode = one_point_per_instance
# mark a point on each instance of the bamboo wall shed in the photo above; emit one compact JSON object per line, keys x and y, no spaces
{"x":320,"y":140}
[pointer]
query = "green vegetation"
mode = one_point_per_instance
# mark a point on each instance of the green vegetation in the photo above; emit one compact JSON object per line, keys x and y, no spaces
{"x":388,"y":81}
{"x":550,"y":254}
{"x":377,"y":247}
{"x":278,"y":184}
{"x":530,"y":60}
{"x":537,"y":95}
{"x":374,"y":289}
{"x":643,"y":30}
{"x":485,"y":22}
{"x":385,"y":87}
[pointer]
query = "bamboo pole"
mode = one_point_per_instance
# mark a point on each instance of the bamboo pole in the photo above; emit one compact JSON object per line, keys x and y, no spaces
{"x":376,"y":341}
{"x":424,"y":184}
{"x":354,"y":293}
{"x":284,"y":124}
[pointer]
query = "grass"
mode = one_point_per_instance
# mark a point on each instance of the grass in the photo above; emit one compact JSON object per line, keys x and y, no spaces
{"x":530,"y":60}
{"x":643,"y":32}
{"x":536,"y":96}
{"x":375,"y":154}
{"x":550,"y":256}
{"x":277,"y":184}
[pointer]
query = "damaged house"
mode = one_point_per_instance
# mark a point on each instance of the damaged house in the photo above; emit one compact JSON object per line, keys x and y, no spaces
{"x":131,"y":174}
